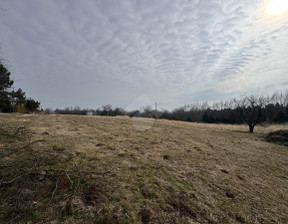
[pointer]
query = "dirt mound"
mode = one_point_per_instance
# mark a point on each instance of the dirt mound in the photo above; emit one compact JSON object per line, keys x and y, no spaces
{"x":278,"y":137}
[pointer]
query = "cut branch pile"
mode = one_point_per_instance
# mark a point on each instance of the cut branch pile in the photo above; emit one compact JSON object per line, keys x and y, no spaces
{"x":32,"y":180}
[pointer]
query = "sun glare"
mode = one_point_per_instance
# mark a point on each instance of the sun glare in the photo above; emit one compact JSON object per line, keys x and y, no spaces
{"x":277,"y":6}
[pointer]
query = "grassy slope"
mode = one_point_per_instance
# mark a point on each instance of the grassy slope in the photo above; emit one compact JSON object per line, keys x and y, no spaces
{"x":173,"y":172}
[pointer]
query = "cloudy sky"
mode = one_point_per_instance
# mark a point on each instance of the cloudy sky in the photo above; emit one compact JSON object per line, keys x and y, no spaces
{"x":93,"y":52}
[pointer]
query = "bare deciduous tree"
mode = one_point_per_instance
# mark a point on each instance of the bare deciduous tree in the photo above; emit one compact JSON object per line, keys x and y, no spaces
{"x":250,"y":109}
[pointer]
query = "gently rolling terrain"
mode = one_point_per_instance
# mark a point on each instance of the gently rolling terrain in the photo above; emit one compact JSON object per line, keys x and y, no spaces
{"x":91,"y":169}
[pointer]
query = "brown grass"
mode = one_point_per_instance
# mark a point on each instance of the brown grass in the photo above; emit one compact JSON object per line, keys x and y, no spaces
{"x":147,"y":171}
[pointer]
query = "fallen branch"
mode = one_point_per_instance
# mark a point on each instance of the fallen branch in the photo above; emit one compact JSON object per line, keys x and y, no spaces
{"x":72,"y":183}
{"x":56,"y":187}
{"x":10,"y":181}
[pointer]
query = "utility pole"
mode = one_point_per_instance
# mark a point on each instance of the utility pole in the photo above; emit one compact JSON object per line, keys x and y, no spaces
{"x":156,"y":115}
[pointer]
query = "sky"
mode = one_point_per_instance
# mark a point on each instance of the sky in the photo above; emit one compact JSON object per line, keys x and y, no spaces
{"x":137,"y":52}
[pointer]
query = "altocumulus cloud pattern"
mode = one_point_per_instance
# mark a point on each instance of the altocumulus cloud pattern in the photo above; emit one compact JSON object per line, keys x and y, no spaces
{"x":172,"y":51}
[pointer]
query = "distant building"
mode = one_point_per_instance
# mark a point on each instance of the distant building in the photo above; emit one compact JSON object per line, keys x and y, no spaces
{"x":89,"y":113}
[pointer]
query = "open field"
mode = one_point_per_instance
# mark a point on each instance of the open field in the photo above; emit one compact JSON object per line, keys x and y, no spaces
{"x":90,"y":169}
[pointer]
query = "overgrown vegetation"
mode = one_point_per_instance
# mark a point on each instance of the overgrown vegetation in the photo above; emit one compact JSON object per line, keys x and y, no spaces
{"x":37,"y":185}
{"x":91,"y":169}
{"x":278,"y":137}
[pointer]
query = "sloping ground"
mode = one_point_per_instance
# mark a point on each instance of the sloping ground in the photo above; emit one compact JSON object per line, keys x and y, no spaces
{"x":84,"y":169}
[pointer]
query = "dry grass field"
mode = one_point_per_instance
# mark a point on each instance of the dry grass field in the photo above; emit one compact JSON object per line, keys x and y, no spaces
{"x":90,"y":169}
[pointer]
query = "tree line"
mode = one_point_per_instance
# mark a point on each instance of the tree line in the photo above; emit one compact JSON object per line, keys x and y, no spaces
{"x":250,"y":110}
{"x":12,"y":100}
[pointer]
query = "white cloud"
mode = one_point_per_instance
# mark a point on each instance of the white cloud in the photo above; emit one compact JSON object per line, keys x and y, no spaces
{"x":168,"y":49}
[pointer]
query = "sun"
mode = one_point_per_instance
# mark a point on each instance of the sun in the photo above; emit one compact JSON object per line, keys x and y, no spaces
{"x":277,"y":6}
